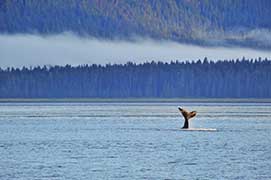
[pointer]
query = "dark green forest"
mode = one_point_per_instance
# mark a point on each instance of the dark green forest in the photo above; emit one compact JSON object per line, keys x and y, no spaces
{"x":203,"y":22}
{"x":194,"y":79}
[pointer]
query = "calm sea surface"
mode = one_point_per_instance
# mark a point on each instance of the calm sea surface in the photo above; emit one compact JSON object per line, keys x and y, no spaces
{"x":128,"y":140}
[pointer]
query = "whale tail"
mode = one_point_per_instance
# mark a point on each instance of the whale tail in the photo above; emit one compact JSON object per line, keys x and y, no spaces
{"x":187,"y":115}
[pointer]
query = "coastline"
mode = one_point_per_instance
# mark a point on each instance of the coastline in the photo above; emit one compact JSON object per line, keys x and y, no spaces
{"x":135,"y":100}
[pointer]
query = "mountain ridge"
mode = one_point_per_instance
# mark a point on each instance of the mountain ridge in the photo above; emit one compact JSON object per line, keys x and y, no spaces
{"x":207,"y":22}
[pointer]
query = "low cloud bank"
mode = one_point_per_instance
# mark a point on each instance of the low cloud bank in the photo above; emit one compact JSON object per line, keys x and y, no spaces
{"x":31,"y":50}
{"x":261,"y":36}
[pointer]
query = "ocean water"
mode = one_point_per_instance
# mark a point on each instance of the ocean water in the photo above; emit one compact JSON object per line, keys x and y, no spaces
{"x":134,"y":140}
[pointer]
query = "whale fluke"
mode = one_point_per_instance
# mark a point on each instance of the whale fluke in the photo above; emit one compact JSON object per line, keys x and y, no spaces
{"x":187,"y":115}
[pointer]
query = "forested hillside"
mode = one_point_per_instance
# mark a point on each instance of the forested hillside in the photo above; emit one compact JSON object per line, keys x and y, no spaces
{"x":205,"y":22}
{"x":230,"y":79}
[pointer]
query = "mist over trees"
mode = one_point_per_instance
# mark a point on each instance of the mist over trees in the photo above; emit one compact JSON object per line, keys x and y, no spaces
{"x":196,"y":79}
{"x":203,"y":22}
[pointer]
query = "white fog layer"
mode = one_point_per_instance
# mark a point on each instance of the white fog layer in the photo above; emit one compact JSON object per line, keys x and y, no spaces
{"x":31,"y":50}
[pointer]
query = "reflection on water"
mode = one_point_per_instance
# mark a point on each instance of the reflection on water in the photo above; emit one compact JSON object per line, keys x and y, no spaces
{"x":134,"y":141}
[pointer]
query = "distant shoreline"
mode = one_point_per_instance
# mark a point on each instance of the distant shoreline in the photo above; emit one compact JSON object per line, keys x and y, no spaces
{"x":136,"y":100}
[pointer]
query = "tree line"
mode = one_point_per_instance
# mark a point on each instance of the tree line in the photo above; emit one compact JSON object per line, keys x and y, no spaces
{"x":190,"y":79}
